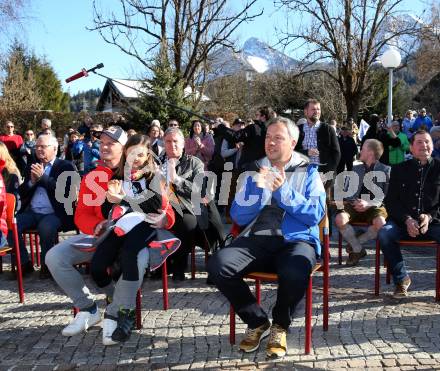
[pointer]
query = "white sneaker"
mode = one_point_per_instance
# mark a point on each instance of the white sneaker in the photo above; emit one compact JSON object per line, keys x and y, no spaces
{"x":81,"y":322}
{"x":108,"y":326}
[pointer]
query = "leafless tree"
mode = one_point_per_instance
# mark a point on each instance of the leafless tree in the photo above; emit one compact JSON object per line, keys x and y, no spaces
{"x":191,"y":29}
{"x":427,"y":61}
{"x":12,"y":13}
{"x":344,"y":38}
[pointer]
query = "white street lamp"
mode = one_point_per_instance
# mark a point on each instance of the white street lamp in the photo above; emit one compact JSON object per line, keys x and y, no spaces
{"x":249,"y":77}
{"x":390,"y":60}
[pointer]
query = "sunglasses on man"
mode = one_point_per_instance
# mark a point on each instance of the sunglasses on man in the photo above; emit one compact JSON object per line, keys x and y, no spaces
{"x":96,"y":133}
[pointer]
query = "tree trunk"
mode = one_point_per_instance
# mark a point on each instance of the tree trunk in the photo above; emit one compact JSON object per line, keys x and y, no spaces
{"x":352,"y":102}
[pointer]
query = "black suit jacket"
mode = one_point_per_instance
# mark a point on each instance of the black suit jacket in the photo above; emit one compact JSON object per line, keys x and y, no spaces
{"x":253,"y":137}
{"x":49,"y":182}
{"x":328,"y":147}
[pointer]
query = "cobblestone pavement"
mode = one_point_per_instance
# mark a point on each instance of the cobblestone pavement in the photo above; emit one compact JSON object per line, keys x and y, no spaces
{"x":365,"y":332}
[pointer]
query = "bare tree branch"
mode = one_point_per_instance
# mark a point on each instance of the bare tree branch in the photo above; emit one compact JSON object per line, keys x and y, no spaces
{"x":190,"y":29}
{"x":351,"y":34}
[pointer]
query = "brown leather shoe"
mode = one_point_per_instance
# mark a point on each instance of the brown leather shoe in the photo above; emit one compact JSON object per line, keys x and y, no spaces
{"x":354,"y":257}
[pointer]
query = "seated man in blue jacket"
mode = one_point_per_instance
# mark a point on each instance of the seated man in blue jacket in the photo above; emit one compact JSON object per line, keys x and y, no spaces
{"x":281,"y":203}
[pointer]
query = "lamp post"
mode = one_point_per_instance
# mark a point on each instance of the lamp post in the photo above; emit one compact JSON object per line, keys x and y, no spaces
{"x":390,"y":60}
{"x":249,"y":76}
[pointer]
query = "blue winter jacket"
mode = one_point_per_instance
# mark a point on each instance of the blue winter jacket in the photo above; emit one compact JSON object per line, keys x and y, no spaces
{"x":91,"y":154}
{"x":302,"y":197}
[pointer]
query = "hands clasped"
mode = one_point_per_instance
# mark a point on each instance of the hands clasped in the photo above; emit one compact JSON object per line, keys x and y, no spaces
{"x":270,"y":178}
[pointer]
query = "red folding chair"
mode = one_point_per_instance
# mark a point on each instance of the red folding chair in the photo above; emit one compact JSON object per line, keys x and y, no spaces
{"x":272,"y":277}
{"x":139,"y":296}
{"x":193,"y":254}
{"x":12,"y":226}
{"x":412,"y":243}
{"x":34,"y":244}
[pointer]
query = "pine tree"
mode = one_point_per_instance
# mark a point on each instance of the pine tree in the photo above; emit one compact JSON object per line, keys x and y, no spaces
{"x":161,"y":88}
{"x":19,"y":86}
{"x":49,"y":86}
{"x":31,"y":83}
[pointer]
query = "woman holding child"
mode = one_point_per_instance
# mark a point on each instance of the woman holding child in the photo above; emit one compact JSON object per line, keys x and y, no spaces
{"x":134,"y":199}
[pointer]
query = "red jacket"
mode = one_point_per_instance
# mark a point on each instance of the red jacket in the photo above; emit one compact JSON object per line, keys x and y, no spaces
{"x":94,"y":185}
{"x":3,"y":224}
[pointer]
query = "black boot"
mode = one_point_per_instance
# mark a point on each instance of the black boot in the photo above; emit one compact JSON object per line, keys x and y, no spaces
{"x":45,"y":273}
{"x":126,"y":323}
{"x":26,"y":270}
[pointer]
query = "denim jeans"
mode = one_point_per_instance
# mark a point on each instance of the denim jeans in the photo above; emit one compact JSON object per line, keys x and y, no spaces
{"x":47,"y":226}
{"x":292,"y":261}
{"x":389,"y":237}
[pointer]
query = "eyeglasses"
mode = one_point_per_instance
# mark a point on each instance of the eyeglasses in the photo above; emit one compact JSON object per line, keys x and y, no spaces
{"x":29,"y":133}
{"x":9,"y":126}
{"x":42,"y":146}
{"x":173,"y":125}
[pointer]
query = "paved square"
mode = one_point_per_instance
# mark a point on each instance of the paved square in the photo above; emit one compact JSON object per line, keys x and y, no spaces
{"x":365,"y":332}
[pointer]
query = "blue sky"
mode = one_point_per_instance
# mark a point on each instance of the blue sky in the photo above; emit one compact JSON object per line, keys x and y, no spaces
{"x":57,"y":29}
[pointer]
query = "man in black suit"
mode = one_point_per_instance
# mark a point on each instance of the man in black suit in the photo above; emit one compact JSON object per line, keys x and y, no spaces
{"x":40,"y":209}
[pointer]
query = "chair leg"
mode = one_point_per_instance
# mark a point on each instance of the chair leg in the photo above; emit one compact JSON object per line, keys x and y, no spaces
{"x":326,"y":280}
{"x":139,"y":309}
{"x":165,"y":285}
{"x":437,"y":276}
{"x":37,"y":249}
{"x":377,"y":270}
{"x":18,"y":263}
{"x":258,"y":291}
{"x":231,"y":325}
{"x":1,"y":264}
{"x":31,"y":247}
{"x":308,"y":314}
{"x":193,"y":261}
{"x":339,"y":248}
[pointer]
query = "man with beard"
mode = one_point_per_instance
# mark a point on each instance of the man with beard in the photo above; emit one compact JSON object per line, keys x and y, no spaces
{"x":318,"y":140}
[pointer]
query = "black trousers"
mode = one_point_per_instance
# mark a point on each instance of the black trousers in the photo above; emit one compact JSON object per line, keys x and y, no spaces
{"x":123,"y":248}
{"x":292,"y":261}
{"x":184,"y":228}
{"x":345,"y":162}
